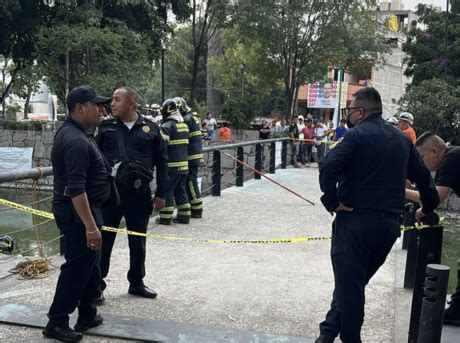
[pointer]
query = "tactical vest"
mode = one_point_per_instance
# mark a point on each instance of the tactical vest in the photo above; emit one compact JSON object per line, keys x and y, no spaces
{"x":195,"y":149}
{"x":176,"y":135}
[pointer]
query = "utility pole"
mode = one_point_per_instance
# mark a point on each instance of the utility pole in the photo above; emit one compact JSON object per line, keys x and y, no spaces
{"x":67,"y":78}
{"x":446,"y":37}
{"x":163,"y":63}
{"x":242,"y":81}
{"x":162,"y":75}
{"x":339,"y":112}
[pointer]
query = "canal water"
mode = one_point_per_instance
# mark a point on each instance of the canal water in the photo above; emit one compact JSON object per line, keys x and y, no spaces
{"x":19,"y":226}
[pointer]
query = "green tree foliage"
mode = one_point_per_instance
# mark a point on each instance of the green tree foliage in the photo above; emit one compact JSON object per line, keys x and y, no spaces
{"x":303,"y":38}
{"x":180,"y":66}
{"x":99,"y":56}
{"x":433,"y":61}
{"x":243,"y":77}
{"x":26,"y":83}
{"x":107,"y":42}
{"x":238,"y":113}
{"x":433,"y":45}
{"x":206,"y":17}
{"x":434,"y":105}
{"x":19,"y":21}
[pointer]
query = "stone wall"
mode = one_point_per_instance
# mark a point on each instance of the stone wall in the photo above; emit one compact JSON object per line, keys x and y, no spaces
{"x":41,"y":141}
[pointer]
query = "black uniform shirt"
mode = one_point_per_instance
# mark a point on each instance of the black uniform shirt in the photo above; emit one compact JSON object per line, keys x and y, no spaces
{"x":367,"y":169}
{"x":449,"y":173}
{"x":78,"y":165}
{"x":144,"y":143}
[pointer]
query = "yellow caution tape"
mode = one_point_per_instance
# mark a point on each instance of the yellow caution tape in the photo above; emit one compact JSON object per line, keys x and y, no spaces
{"x":44,"y":214}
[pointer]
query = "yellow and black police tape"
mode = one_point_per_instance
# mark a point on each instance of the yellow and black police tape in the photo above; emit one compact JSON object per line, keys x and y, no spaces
{"x":48,"y":215}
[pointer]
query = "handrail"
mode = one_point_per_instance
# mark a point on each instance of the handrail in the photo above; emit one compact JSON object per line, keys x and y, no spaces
{"x":36,"y":173}
{"x":243,"y":144}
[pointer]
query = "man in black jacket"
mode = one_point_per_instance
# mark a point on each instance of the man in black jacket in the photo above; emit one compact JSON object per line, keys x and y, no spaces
{"x":142,"y":142}
{"x":445,"y":161}
{"x":81,"y":186}
{"x":363,"y":178}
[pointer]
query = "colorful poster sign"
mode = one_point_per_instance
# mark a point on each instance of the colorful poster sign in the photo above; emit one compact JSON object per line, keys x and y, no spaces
{"x":325,"y":94}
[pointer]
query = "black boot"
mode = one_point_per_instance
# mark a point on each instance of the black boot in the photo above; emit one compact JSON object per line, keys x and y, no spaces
{"x":84,"y":324}
{"x":63,"y":334}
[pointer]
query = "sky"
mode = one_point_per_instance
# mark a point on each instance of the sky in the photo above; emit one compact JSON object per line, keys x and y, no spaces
{"x":411,"y":4}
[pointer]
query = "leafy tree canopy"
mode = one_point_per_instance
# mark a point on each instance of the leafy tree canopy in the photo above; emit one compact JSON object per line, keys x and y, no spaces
{"x":432,"y":47}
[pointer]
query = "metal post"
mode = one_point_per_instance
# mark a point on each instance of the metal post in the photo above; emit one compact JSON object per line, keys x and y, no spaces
{"x":412,"y":237}
{"x":162,"y":75}
{"x":272,"y":158}
{"x":240,"y":167}
{"x":258,"y":165}
{"x":216,"y":176}
{"x":67,"y":79}
{"x":35,"y":218}
{"x":429,"y":251}
{"x":283,"y":154}
{"x":433,"y":303}
{"x":409,"y":217}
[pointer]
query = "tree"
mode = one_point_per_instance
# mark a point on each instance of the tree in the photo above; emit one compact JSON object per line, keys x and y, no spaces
{"x":243,"y":73}
{"x":206,"y":16}
{"x":433,"y":62}
{"x":27,"y":82}
{"x":239,"y":114}
{"x":303,"y":37}
{"x":433,"y":45}
{"x":434,"y":105}
{"x":19,"y":21}
{"x":106,"y":43}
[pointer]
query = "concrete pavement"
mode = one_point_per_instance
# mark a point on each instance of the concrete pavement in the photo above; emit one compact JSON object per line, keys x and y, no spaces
{"x":280,"y":289}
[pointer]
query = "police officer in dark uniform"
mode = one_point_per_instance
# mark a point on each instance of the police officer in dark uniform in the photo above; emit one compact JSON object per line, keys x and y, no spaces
{"x":363,"y":178}
{"x":176,"y":133}
{"x":81,"y":186}
{"x":143,"y":145}
{"x":195,"y":155}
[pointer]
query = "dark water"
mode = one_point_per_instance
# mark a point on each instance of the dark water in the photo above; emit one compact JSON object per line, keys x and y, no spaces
{"x":451,"y":247}
{"x":12,"y":220}
{"x":25,"y":241}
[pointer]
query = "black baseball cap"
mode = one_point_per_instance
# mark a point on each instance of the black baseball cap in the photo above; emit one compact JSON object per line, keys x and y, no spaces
{"x":82,"y":94}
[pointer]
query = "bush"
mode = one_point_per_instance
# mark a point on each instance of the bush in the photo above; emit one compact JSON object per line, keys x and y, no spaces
{"x":13,"y":107}
{"x":31,"y":125}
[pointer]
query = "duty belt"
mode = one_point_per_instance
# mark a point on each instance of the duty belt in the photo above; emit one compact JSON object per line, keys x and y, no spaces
{"x":379,"y":213}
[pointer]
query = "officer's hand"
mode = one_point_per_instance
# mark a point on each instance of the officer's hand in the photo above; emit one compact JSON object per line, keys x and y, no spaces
{"x":158,"y":204}
{"x":342,"y":207}
{"x":93,"y":238}
{"x":419,"y":215}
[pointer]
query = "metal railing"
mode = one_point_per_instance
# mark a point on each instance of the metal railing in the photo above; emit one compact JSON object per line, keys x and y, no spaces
{"x":42,"y":172}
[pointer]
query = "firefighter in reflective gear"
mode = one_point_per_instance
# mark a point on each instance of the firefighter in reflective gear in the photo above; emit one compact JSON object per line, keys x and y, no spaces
{"x":176,"y":134}
{"x":195,"y":155}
